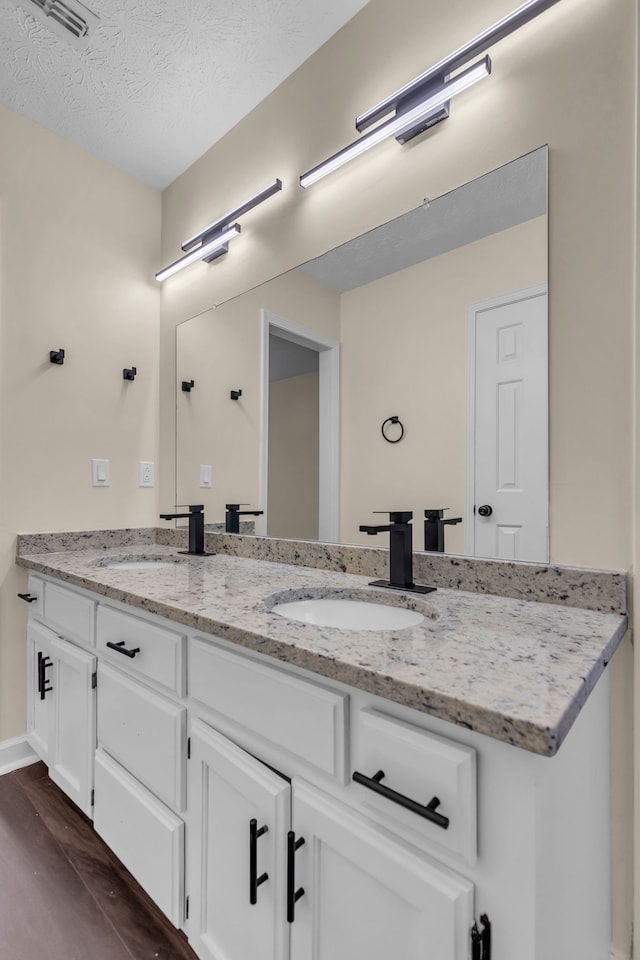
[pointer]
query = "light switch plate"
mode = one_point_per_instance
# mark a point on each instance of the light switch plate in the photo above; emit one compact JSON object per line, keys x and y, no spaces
{"x":146,"y":473}
{"x":101,"y":473}
{"x":206,"y":474}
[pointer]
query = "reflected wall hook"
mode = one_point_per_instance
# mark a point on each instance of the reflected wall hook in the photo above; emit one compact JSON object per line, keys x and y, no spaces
{"x":129,"y":374}
{"x":188,"y":385}
{"x":57,"y":356}
{"x":384,"y":432}
{"x":235,"y":394}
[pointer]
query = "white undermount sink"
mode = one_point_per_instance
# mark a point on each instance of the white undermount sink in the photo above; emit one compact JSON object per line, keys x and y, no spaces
{"x":349,"y":614}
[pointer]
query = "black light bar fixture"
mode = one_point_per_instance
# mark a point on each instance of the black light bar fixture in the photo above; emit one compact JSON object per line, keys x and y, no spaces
{"x":425,"y":101}
{"x":213,"y":241}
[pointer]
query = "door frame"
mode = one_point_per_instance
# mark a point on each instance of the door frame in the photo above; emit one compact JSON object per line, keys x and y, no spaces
{"x":329,"y":421}
{"x":473,"y":310}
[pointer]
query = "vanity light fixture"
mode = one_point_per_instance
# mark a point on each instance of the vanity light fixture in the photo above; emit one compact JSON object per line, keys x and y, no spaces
{"x":424,"y":101}
{"x":213,"y":241}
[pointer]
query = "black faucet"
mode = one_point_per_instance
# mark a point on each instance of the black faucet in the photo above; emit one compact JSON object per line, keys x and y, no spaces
{"x":434,"y":524}
{"x":233,"y":514}
{"x":400,"y":552}
{"x":196,"y":529}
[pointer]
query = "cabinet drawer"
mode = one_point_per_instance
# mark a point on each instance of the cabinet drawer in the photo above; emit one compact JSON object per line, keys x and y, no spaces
{"x":143,"y":833}
{"x":145,"y":732}
{"x":35,"y":588}
{"x":69,"y":613}
{"x":299,"y":717}
{"x":160,"y":652}
{"x":419,"y":766}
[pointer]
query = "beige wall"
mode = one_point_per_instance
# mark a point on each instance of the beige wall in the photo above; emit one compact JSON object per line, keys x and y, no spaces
{"x":221,"y":351}
{"x":293,"y":457}
{"x":403,"y":351}
{"x":78,"y":248}
{"x":569,"y":80}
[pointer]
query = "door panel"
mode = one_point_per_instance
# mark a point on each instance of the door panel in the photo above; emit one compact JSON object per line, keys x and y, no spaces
{"x":367,"y":894}
{"x":73,"y":704}
{"x":38,"y":708}
{"x":510,"y":428}
{"x":227,"y":789}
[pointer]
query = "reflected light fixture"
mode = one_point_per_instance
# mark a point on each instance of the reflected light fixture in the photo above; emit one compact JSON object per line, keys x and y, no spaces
{"x":213,"y":241}
{"x":425,"y":101}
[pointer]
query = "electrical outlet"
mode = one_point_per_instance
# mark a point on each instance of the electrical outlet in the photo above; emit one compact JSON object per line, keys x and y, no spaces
{"x":101,"y":473}
{"x":146,"y":476}
{"x":205,"y":476}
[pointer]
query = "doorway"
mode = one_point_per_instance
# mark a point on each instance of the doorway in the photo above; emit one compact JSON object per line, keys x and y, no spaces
{"x":507,"y":481}
{"x":299,"y":448}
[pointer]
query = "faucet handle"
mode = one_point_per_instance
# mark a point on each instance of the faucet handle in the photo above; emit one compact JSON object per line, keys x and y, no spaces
{"x":193,"y":507}
{"x":235,"y":506}
{"x":397,"y":516}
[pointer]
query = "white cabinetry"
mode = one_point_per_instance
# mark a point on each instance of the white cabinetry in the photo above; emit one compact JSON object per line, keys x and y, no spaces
{"x":279,"y":853}
{"x":140,"y":794}
{"x":61,"y":699}
{"x":344,"y":887}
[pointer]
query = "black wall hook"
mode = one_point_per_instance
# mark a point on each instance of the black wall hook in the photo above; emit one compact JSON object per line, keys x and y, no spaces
{"x":235,"y":394}
{"x":188,"y":385}
{"x":57,"y":356}
{"x":384,"y":434}
{"x":129,"y":374}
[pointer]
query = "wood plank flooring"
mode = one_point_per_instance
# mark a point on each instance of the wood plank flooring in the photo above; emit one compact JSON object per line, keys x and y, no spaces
{"x":63,"y":894}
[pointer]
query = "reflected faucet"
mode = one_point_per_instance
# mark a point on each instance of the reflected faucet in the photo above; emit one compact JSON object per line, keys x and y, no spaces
{"x":400,"y":552}
{"x":196,"y":529}
{"x":233,"y":514}
{"x":434,"y":524}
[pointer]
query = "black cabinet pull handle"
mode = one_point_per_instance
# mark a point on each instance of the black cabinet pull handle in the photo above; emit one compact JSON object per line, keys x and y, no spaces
{"x":120,"y":648}
{"x":293,"y":895}
{"x":43,"y":665}
{"x":254,"y":879}
{"x":27,"y":597}
{"x":428,"y":811}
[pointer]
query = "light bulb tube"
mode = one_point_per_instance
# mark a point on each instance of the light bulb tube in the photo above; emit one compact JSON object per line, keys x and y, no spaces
{"x":401,"y":123}
{"x":200,"y":253}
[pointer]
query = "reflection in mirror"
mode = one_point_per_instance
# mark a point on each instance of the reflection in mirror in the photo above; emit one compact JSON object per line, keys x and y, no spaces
{"x":438,"y":318}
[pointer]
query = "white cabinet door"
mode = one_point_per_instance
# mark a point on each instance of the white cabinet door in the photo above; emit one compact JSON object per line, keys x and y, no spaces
{"x":73,"y":723}
{"x":39,"y":696}
{"x":367,"y":894}
{"x":228,"y":789}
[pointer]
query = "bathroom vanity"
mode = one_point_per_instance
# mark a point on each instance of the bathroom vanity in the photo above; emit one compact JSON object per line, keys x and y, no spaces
{"x":283,"y":790}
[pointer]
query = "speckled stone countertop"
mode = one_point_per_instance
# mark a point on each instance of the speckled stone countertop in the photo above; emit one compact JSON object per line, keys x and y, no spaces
{"x":516,"y":670}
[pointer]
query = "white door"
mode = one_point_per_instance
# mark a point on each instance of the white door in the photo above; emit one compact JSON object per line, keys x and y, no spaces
{"x":367,"y":894}
{"x":39,"y":694}
{"x":236,"y":871}
{"x":74,"y":722}
{"x":508,"y":447}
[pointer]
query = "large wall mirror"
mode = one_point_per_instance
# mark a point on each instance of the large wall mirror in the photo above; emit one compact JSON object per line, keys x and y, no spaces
{"x":405,"y":370}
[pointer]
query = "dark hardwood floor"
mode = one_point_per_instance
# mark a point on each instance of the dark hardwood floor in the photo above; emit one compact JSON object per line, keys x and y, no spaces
{"x":63,"y":894}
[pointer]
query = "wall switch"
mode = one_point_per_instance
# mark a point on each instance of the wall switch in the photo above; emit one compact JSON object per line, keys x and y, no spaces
{"x":101,"y":473}
{"x":146,"y":473}
{"x":205,"y":476}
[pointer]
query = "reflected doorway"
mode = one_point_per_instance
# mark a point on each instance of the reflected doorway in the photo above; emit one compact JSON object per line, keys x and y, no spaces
{"x":299,"y":437}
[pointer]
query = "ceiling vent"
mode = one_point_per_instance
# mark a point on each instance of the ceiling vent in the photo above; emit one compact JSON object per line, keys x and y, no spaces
{"x":68,"y":18}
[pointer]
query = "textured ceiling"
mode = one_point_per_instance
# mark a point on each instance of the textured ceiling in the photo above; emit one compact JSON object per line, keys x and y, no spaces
{"x":509,"y":195}
{"x":160,"y":81}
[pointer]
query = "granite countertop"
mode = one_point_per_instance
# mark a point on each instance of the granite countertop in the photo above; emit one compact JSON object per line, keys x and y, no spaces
{"x":516,"y":670}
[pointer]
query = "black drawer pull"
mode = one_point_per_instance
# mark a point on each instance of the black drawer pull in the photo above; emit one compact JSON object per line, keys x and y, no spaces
{"x":293,"y":895}
{"x":254,"y":879}
{"x":43,"y":665}
{"x":428,"y":811}
{"x":27,"y":597}
{"x":120,"y":648}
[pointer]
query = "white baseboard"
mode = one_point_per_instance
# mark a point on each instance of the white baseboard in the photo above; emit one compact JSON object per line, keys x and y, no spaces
{"x":14,"y":754}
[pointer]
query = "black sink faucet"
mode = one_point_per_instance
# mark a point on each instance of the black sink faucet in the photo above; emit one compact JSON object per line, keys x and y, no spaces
{"x":400,"y":552}
{"x":233,"y":514}
{"x":196,"y":528}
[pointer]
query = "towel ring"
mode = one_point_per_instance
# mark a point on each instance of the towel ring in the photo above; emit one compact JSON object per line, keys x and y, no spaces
{"x":392,"y":420}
